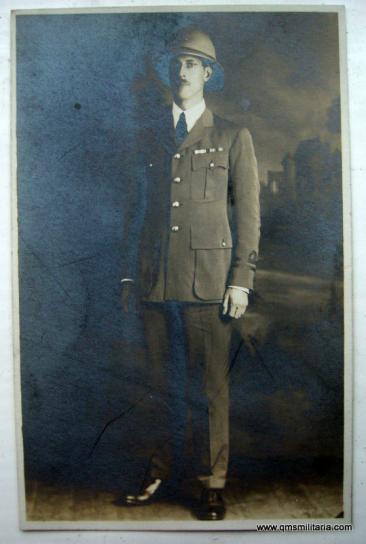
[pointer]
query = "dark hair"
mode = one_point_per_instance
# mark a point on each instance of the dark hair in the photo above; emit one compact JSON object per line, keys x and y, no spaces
{"x":207,"y":63}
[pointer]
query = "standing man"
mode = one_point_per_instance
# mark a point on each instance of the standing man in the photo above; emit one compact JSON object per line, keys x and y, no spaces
{"x":197,"y":259}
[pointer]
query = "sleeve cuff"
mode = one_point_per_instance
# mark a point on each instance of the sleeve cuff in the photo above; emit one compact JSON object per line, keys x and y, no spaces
{"x":245,"y":289}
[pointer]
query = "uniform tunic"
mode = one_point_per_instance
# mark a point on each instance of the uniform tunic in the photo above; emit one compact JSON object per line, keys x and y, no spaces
{"x":189,"y":252}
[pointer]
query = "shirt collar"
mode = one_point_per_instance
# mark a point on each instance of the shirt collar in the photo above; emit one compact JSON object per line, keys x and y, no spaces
{"x":192,"y":114}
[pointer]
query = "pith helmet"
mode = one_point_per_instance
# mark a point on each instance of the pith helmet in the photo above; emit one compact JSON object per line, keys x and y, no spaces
{"x":190,"y":41}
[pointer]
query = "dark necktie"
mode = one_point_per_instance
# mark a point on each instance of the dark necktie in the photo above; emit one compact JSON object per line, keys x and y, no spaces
{"x":181,"y":129}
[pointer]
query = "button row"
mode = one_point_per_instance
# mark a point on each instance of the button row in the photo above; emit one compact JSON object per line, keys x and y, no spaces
{"x":176,"y":203}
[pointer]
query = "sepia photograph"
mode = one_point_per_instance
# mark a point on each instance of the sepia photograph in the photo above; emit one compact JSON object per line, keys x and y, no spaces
{"x":181,"y":242}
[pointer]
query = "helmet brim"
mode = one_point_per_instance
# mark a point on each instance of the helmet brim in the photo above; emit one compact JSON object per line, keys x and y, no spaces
{"x":162,"y":67}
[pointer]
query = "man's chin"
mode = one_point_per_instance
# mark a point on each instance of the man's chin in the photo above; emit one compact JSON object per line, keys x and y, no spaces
{"x":183,"y":93}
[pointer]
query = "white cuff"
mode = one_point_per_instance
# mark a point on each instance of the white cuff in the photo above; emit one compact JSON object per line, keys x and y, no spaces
{"x":245,"y":289}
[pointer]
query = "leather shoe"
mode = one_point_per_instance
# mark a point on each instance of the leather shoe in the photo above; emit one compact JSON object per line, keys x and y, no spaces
{"x":149,"y":493}
{"x":211,"y":506}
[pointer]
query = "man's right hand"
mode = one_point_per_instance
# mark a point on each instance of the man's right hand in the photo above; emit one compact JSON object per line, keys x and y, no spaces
{"x":129,"y":297}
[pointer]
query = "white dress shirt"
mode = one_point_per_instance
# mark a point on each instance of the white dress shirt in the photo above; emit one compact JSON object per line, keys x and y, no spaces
{"x":192,"y":114}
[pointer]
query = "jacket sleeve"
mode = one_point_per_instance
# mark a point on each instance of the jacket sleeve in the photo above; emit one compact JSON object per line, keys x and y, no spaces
{"x":246,"y":210}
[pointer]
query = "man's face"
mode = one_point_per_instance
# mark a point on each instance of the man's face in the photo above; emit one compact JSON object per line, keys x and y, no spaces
{"x":188,"y":76}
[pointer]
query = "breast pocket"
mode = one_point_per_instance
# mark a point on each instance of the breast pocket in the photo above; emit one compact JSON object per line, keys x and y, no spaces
{"x":209,"y":176}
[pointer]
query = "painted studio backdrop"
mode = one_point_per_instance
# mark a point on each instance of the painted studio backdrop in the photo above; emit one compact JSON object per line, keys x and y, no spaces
{"x":85,"y":85}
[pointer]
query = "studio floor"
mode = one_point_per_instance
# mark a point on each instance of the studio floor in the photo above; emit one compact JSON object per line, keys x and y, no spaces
{"x":271,"y":500}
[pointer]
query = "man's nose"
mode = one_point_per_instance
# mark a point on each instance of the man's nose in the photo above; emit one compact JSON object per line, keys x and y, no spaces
{"x":182,"y":73}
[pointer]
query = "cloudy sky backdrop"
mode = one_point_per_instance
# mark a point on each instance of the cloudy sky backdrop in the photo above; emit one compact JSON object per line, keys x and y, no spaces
{"x":282,"y":78}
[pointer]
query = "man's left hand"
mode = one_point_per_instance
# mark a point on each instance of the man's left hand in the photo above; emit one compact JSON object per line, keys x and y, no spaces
{"x":235,"y":302}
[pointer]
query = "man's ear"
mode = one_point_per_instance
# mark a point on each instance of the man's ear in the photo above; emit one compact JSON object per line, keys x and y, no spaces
{"x":208,"y":73}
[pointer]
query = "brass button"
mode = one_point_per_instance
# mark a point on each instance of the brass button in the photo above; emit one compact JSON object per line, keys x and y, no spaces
{"x":175,"y":228}
{"x":212,"y":164}
{"x":177,"y":180}
{"x":177,"y":156}
{"x":175,"y":204}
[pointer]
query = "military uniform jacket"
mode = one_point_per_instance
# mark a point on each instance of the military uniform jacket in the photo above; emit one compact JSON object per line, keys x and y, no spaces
{"x":202,"y":222}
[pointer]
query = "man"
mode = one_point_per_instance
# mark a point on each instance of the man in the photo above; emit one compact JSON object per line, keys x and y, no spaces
{"x":197,"y":259}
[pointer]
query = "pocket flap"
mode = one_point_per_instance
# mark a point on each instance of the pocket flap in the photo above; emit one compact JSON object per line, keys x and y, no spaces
{"x":210,"y":160}
{"x":215,"y":237}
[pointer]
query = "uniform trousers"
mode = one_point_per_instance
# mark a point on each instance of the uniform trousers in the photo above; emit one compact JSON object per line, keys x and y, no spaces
{"x":188,"y":347}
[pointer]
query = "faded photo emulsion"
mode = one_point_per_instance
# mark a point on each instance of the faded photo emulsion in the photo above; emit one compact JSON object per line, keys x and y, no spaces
{"x":178,"y":220}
